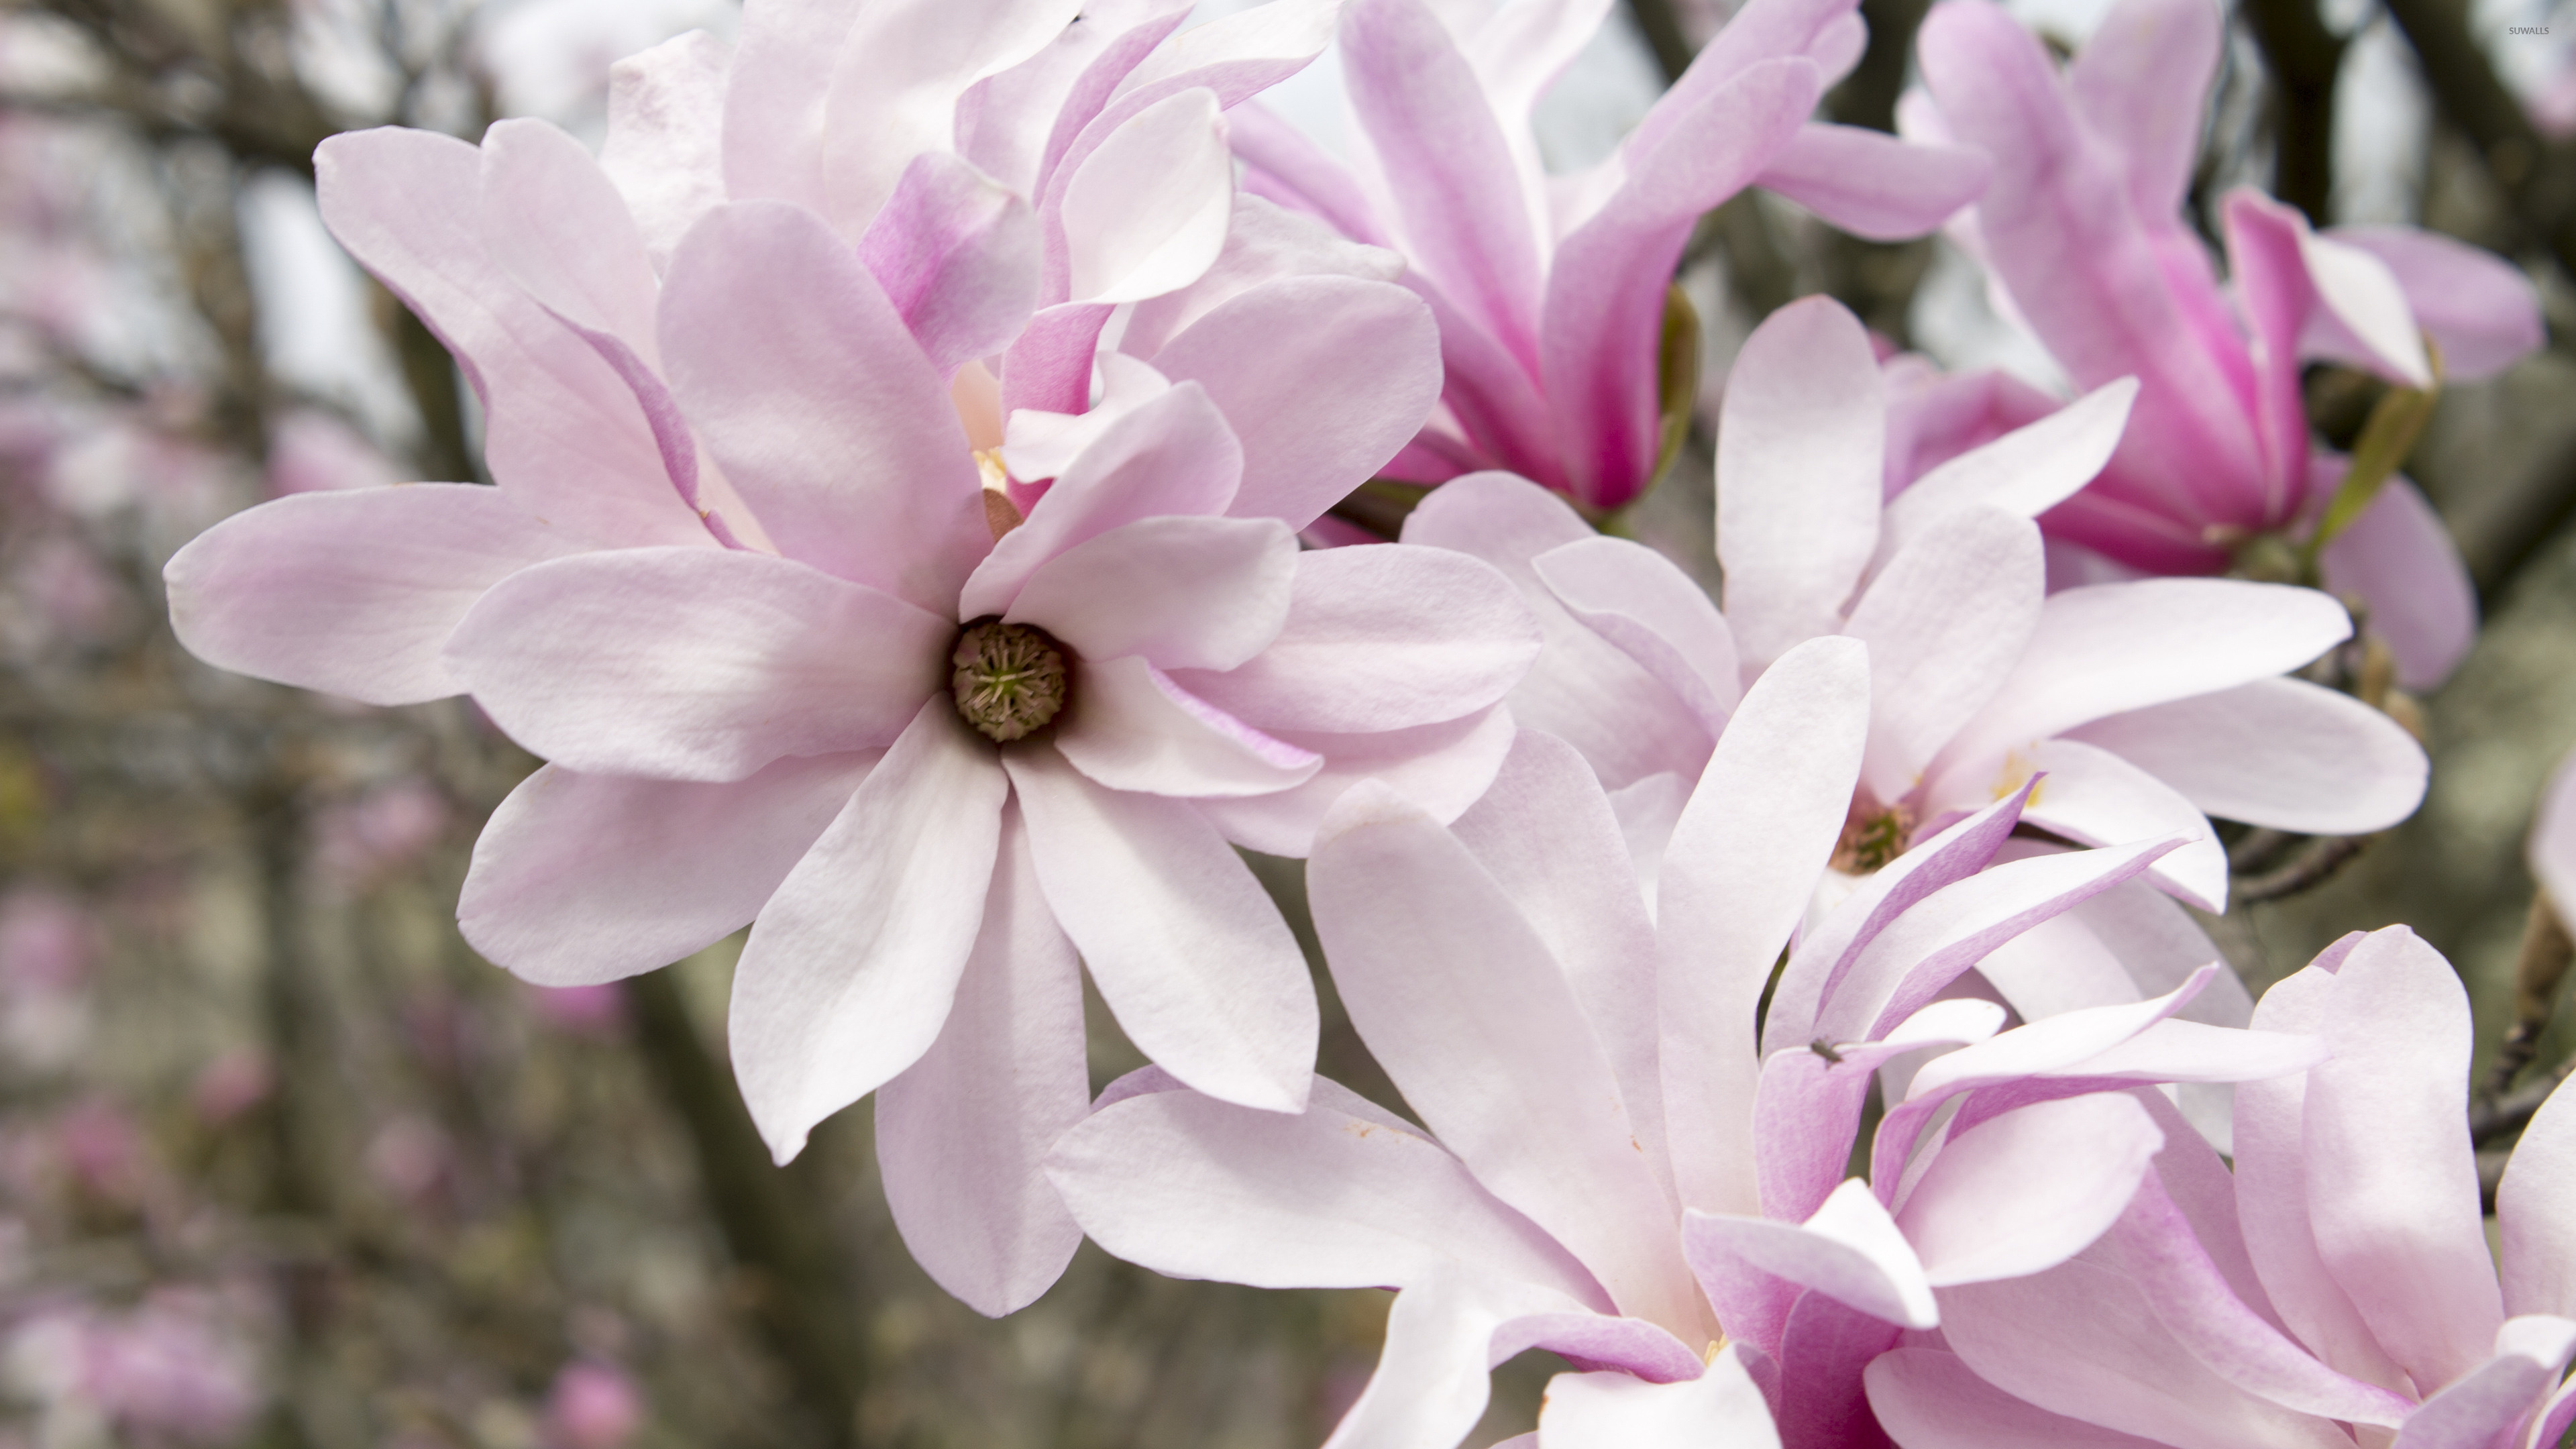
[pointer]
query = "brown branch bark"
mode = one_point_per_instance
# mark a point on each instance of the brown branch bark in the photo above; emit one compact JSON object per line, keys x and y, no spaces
{"x":2304,"y":58}
{"x":2539,"y":179}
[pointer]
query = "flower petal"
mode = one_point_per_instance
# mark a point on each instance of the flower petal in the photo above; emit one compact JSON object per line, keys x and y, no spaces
{"x":695,"y":664}
{"x":580,"y":879}
{"x":1185,"y":946}
{"x":804,"y":383}
{"x":2030,"y":1189}
{"x":1129,"y":727}
{"x":2479,"y":308}
{"x":1849,"y":1250}
{"x":1185,"y":593}
{"x":2025,"y":472}
{"x":2400,"y":558}
{"x":2276,"y":752}
{"x":554,"y":223}
{"x":1146,"y":213}
{"x":2094,"y":797}
{"x":1872,"y":184}
{"x":1638,"y":600}
{"x":1798,"y":460}
{"x":2140,"y":83}
{"x":963,"y":1133}
{"x":1945,"y":623}
{"x":2539,"y":1251}
{"x":959,"y":256}
{"x":1927,"y":1399}
{"x":1381,"y":637}
{"x":665,"y":145}
{"x":1441,"y":767}
{"x":1721,"y":1409}
{"x":353,"y":593}
{"x":853,"y":965}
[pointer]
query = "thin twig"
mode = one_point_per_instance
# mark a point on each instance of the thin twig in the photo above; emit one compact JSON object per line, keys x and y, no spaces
{"x":2310,"y":868}
{"x":2489,"y":1120}
{"x":2304,"y":58}
{"x":2538,"y":969}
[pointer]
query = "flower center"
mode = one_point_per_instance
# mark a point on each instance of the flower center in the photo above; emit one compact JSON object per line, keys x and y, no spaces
{"x":1872,"y":837}
{"x":1009,"y":679}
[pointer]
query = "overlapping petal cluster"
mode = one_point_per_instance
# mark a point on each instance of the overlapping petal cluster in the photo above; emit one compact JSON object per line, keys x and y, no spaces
{"x":764,"y":506}
{"x":1551,"y":291}
{"x":2084,"y":235}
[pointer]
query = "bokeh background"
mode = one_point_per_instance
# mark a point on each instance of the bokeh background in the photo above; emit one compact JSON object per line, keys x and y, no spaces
{"x":283,"y":1163}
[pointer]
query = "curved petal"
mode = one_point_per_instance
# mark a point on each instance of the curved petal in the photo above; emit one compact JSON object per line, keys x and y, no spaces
{"x":1799,"y":453}
{"x":2392,"y":1179}
{"x":1323,"y":380}
{"x":1637,"y":599}
{"x":1441,"y":767}
{"x":355,"y":592}
{"x":853,"y":965}
{"x":1146,"y":213}
{"x":2140,"y":83}
{"x":2551,"y":849}
{"x":1381,"y":637}
{"x":1476,"y":1024}
{"x":554,"y":223}
{"x":1186,"y":948}
{"x":1850,"y":1250}
{"x":804,"y":383}
{"x":959,"y":255}
{"x":1872,"y":184}
{"x":1129,"y":727}
{"x":1338,"y":1196}
{"x":1721,"y":1409}
{"x":2479,"y":308}
{"x":1432,"y":1381}
{"x":695,"y":664}
{"x":1744,"y":860}
{"x":1927,"y":1399}
{"x":2094,"y":797}
{"x":963,"y":1133}
{"x":2024,"y":473}
{"x":2277,"y":752}
{"x":1945,"y":623}
{"x":665,"y":146}
{"x":1186,"y":593}
{"x":2538,"y":1260}
{"x":580,"y":879}
{"x":2026,"y":1191}
{"x":2400,"y":558}
{"x":2492,"y":1403}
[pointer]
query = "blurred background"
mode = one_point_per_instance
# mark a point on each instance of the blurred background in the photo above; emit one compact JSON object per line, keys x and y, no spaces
{"x":283,"y":1163}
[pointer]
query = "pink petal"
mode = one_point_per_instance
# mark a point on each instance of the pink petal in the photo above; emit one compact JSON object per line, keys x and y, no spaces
{"x":1049,"y":367}
{"x":1431,"y":1382}
{"x":665,"y":145}
{"x":2024,"y":473}
{"x":1849,"y":1250}
{"x":2028,"y":1190}
{"x":2392,"y":1179}
{"x":1342,"y":1195}
{"x":554,"y":223}
{"x":958,"y":255}
{"x":2494,"y":1401}
{"x":1606,"y":285}
{"x":895,"y":85}
{"x":1380,"y":637}
{"x":1926,"y":1399}
{"x":1475,"y":1022}
{"x":1186,"y":593}
{"x":830,"y":422}
{"x":1615,"y":1411}
{"x":1441,"y":767}
{"x":1171,"y":454}
{"x":2551,"y":850}
{"x":2139,"y":83}
{"x":1798,"y":462}
{"x":2400,"y":558}
{"x":1546,"y":833}
{"x":2480,"y":309}
{"x":351,"y":592}
{"x":1323,"y":379}
{"x":1824,"y":1347}
{"x":562,"y":432}
{"x":1016,"y":123}
{"x":1282,"y":164}
{"x":854,"y":963}
{"x":2362,"y":297}
{"x":773,"y":116}
{"x":1448,"y":169}
{"x":962,"y":1135}
{"x":695,"y":664}
{"x":581,"y":879}
{"x":1130,"y":727}
{"x":1873,"y":185}
{"x":2107,"y":648}
{"x":1736,"y":879}
{"x":1189,"y":952}
{"x":1945,"y":623}
{"x":1146,"y":213}
{"x":1635,"y":598}
{"x":1584,"y":690}
{"x":1266,"y":243}
{"x":2094,"y":797}
{"x":2277,"y":752}
{"x":2539,"y":1251}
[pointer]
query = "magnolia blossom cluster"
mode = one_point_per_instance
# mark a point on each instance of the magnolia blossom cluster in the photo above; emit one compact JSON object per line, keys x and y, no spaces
{"x":914,"y":437}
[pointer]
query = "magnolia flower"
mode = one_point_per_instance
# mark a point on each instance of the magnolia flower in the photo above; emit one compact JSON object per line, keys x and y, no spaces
{"x":1601,"y":1149}
{"x":1551,"y":291}
{"x":2551,"y":848}
{"x":2083,"y":231}
{"x":2144,"y":704}
{"x":2339,"y":1288}
{"x":772,"y":581}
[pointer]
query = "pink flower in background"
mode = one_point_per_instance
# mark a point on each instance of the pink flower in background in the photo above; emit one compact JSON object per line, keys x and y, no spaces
{"x":182,"y":1366}
{"x":2551,"y":848}
{"x":2340,"y":1286}
{"x":592,"y":1406}
{"x":232,"y":1084}
{"x":380,"y":833}
{"x":2145,"y":704}
{"x":311,"y":452}
{"x":2083,"y":231}
{"x":1551,"y":291}
{"x":791,"y":588}
{"x":1610,"y":1170}
{"x":595,"y":1011}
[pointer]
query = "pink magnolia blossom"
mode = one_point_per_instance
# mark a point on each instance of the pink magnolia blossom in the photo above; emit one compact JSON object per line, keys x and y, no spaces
{"x":2551,"y":848}
{"x":2143,"y":703}
{"x":790,"y":587}
{"x":2338,"y":1289}
{"x":1551,"y":290}
{"x":592,"y":1406}
{"x":1610,"y":1170}
{"x":2083,"y":232}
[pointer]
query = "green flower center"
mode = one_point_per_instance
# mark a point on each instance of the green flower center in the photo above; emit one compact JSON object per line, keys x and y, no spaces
{"x":1009,"y":679}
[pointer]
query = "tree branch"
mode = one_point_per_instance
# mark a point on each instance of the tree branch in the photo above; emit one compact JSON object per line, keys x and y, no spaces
{"x":2304,"y":59}
{"x":2539,"y":179}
